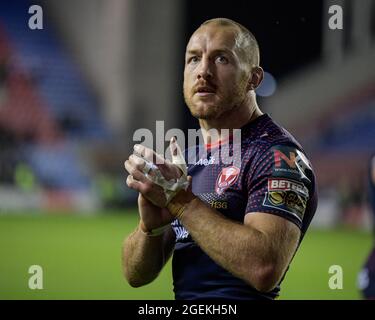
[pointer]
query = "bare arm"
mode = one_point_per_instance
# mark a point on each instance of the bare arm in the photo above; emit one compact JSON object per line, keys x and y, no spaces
{"x":144,"y":256}
{"x":257,"y":251}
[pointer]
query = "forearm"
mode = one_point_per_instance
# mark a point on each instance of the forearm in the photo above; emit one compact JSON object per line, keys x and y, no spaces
{"x":242,"y":250}
{"x":143,"y":257}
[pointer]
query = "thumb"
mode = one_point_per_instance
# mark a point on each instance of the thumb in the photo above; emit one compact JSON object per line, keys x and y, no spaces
{"x":177,"y":156}
{"x":190,"y":180}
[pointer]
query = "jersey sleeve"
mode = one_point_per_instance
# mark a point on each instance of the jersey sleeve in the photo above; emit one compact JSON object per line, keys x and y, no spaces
{"x":279,"y":183}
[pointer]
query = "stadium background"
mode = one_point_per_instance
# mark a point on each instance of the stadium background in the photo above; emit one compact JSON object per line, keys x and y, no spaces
{"x":73,"y":93}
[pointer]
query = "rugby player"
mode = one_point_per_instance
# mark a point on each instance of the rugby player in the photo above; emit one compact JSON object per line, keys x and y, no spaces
{"x":235,"y":230}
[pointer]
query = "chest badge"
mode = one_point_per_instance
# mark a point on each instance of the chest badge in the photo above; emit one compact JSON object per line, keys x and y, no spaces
{"x":227,"y":177}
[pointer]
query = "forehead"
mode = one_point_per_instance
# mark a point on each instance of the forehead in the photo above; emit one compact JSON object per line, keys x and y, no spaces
{"x":213,"y":37}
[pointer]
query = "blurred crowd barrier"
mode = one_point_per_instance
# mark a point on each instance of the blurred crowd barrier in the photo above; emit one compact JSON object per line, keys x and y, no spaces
{"x":52,"y":131}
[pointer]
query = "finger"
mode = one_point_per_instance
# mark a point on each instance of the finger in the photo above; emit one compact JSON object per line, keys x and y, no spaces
{"x":143,"y":165}
{"x":133,"y":171}
{"x":137,"y":162}
{"x":132,"y":183}
{"x":177,"y":156}
{"x":176,"y":153}
{"x":190,"y":180}
{"x":131,"y":165}
{"x":149,"y":154}
{"x":173,"y":146}
{"x":137,"y":185}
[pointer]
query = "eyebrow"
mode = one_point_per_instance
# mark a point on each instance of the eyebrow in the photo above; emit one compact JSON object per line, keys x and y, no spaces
{"x":222,"y":50}
{"x":192,"y":52}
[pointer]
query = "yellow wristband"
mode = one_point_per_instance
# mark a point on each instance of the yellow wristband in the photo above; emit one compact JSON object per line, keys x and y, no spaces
{"x":176,"y":209}
{"x":179,"y":203}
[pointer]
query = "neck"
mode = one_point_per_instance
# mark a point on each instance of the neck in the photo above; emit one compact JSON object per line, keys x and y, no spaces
{"x":233,"y":119}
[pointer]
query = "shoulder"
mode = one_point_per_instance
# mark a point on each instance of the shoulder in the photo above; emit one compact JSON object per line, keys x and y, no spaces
{"x":277,"y":144}
{"x":267,"y":134}
{"x":281,"y":160}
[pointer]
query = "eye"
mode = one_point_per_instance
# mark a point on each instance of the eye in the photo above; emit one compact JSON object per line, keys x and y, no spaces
{"x":222,"y":59}
{"x":193,"y":59}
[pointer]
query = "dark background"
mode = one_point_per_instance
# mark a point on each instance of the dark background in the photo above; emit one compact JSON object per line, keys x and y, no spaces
{"x":289,"y":34}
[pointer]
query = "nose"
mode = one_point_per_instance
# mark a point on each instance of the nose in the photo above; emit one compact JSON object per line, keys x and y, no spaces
{"x":205,"y":70}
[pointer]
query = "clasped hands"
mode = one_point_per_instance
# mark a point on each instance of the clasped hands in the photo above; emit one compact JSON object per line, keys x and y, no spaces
{"x":157,"y":179}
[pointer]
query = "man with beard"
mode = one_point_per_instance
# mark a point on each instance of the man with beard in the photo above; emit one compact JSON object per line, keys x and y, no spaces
{"x":235,"y":230}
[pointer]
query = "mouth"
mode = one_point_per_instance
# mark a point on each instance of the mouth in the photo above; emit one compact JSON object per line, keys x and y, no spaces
{"x":204,"y":91}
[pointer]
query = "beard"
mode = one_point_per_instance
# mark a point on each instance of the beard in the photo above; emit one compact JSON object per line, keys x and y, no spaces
{"x":206,"y":112}
{"x":223,"y":104}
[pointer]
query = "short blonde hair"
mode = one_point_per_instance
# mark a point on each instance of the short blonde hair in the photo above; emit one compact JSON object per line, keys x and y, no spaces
{"x":245,"y":41}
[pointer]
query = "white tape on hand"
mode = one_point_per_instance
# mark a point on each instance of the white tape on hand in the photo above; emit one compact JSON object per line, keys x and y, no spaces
{"x":148,"y":166}
{"x":170,"y":187}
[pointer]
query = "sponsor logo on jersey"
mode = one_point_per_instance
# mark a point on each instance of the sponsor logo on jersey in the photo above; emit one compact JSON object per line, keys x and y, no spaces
{"x":287,"y":195}
{"x":219,"y":204}
{"x":290,"y":162}
{"x":280,"y":157}
{"x":276,"y":198}
{"x":227,"y":177}
{"x":296,"y":202}
{"x":205,"y":162}
{"x":279,"y":184}
{"x":303,"y":165}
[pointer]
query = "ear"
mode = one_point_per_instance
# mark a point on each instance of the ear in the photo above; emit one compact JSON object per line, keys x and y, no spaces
{"x":256,"y":78}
